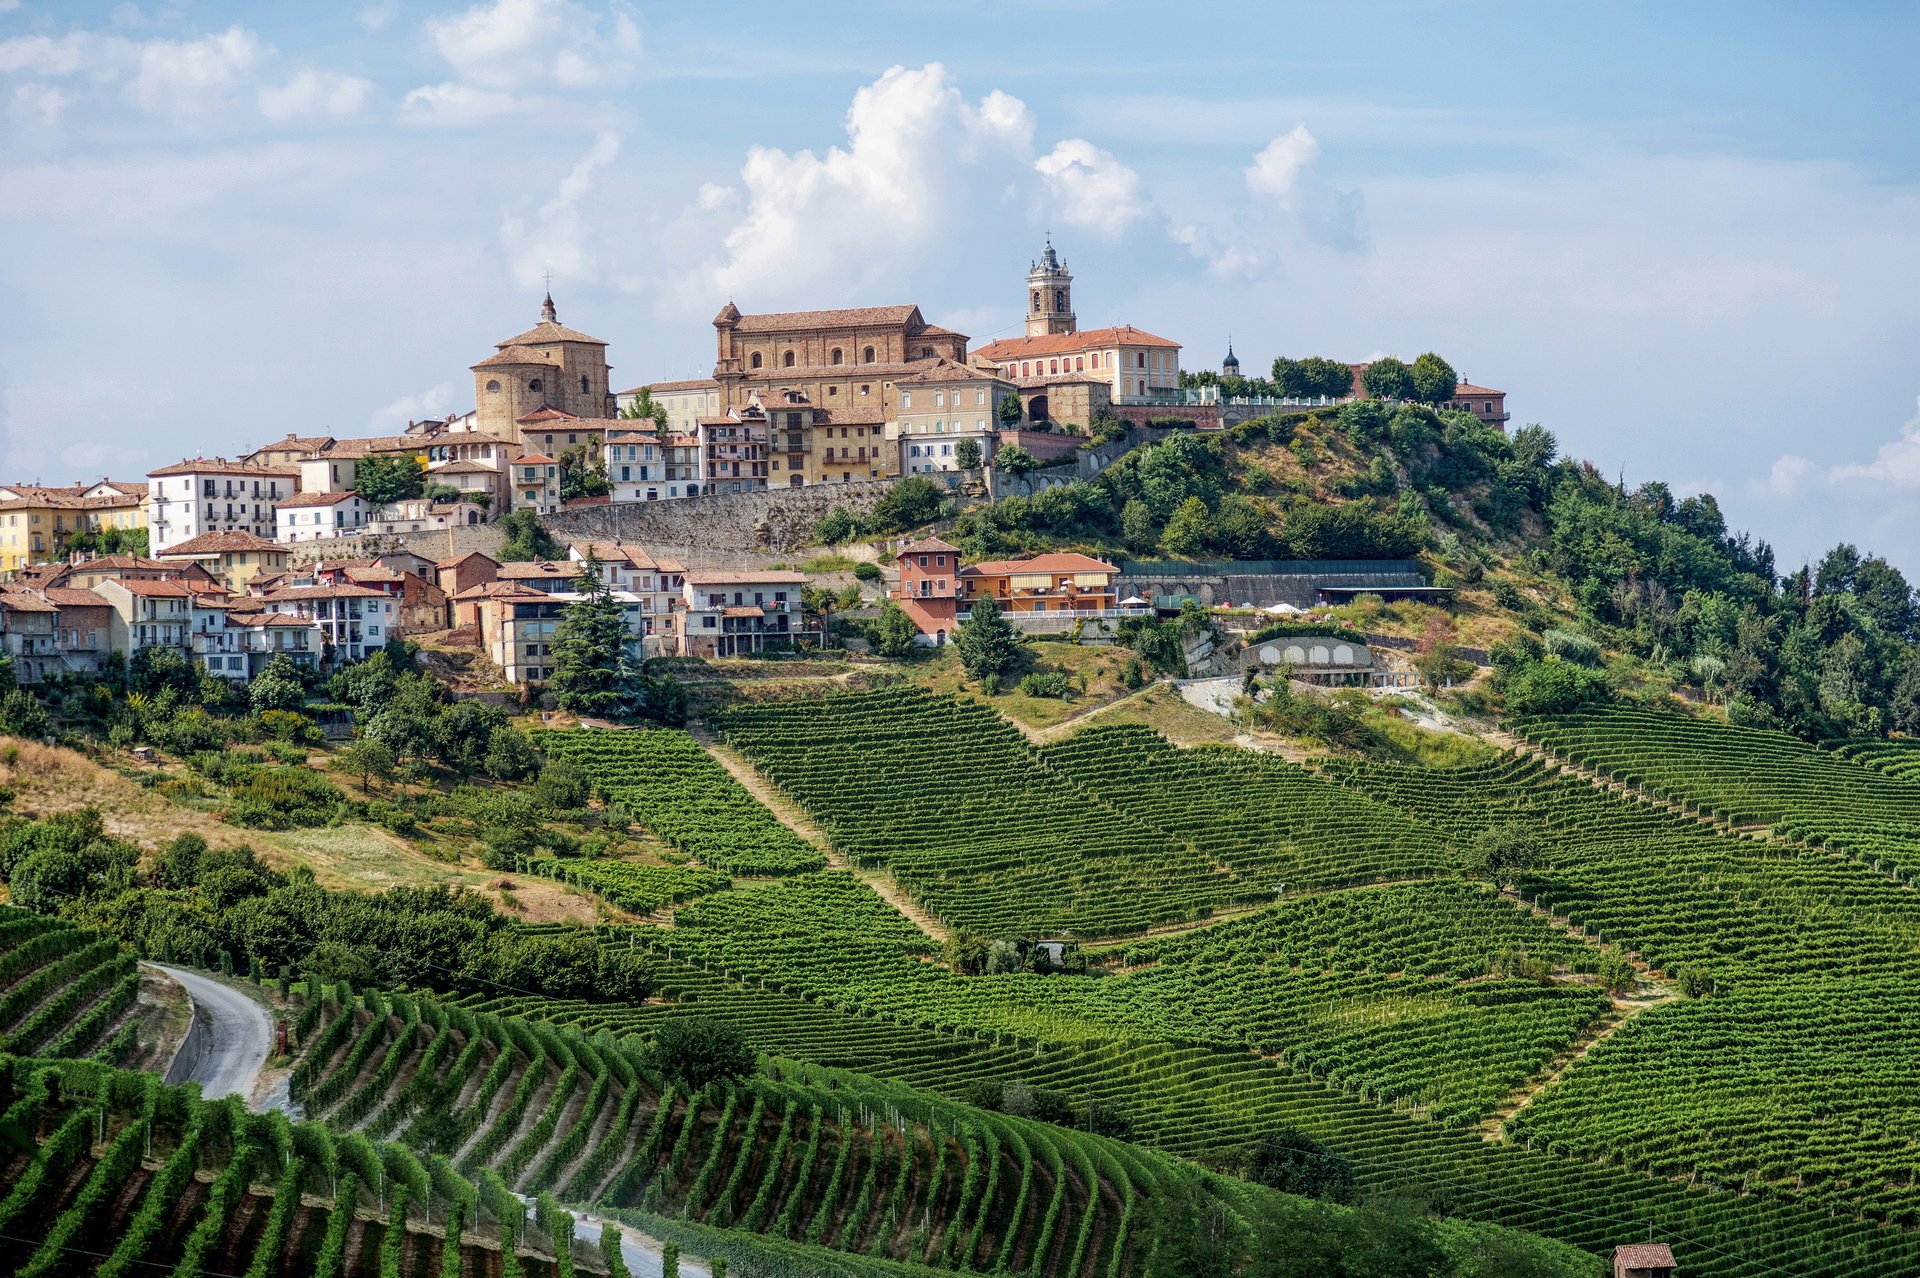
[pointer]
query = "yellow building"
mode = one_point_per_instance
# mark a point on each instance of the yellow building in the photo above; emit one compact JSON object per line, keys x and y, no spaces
{"x":38,"y":522}
{"x":234,"y":558}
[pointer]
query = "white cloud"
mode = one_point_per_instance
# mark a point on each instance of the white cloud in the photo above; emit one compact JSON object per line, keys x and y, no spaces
{"x":184,"y":77}
{"x":917,"y":161}
{"x":1895,"y":465}
{"x":558,"y":238}
{"x":1275,"y":172}
{"x":1090,"y":189}
{"x":435,"y":401}
{"x":535,"y":44}
{"x":1786,"y":478}
{"x":41,"y":104}
{"x":377,"y":17}
{"x":313,"y":92}
{"x":455,"y":104}
{"x":97,"y":457}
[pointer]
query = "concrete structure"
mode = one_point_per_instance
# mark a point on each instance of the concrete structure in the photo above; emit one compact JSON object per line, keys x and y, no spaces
{"x":725,"y":614}
{"x":1301,"y":583}
{"x":231,"y":558}
{"x":733,"y":451}
{"x":517,"y":625}
{"x":235,"y":644}
{"x":148,"y":614}
{"x":548,"y":366}
{"x":534,"y":481}
{"x":647,"y":465}
{"x":657,"y":582}
{"x":355,"y":621}
{"x":937,"y":408}
{"x":207,"y":495}
{"x":313,"y":516}
{"x":686,"y":402}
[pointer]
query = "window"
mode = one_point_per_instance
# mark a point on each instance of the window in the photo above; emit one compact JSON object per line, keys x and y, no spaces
{"x":493,"y":384}
{"x":1054,"y":367}
{"x":866,"y":357}
{"x":939,"y":399}
{"x":1140,"y":360}
{"x":1059,"y":299}
{"x":1036,"y":301}
{"x":866,"y":389}
{"x":834,"y":357}
{"x":755,"y":361}
{"x":980,"y":396}
{"x":906,"y":399}
{"x":1080,"y":364}
{"x":583,"y":385}
{"x":534,"y":384}
{"x":786,"y":361}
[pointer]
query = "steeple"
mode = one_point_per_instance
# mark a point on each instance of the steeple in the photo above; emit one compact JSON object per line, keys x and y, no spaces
{"x":1049,"y":296}
{"x":547,"y":313}
{"x":1230,"y":366}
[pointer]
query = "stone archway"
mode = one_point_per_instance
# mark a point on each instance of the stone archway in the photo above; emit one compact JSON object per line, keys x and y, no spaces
{"x":1037,"y":409}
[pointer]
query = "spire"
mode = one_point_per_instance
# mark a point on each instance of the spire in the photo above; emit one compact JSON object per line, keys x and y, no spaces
{"x":547,"y":313}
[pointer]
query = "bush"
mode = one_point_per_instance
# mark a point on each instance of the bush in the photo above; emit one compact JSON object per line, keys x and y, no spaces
{"x":864,"y":571}
{"x":1047,"y":683}
{"x":1571,"y":645}
{"x":698,"y":1050}
{"x":1553,"y":686}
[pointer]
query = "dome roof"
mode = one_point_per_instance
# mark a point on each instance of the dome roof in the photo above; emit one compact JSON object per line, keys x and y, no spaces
{"x":1232,"y":361}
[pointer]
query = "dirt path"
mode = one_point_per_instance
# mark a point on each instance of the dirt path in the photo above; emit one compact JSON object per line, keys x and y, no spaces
{"x":795,"y":818}
{"x":1066,"y":726}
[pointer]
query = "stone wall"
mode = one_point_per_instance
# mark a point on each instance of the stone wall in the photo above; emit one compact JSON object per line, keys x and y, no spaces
{"x":770,"y":520}
{"x":1084,"y":465}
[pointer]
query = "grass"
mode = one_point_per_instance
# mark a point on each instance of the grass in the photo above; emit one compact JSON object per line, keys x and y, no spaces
{"x":1102,"y":665}
{"x":1161,"y":708}
{"x":832,"y":561}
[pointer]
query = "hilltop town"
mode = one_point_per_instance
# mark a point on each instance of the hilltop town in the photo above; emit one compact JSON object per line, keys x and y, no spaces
{"x":323,"y":549}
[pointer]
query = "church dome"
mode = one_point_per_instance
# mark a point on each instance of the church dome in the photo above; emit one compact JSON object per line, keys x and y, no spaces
{"x":1231,"y":364}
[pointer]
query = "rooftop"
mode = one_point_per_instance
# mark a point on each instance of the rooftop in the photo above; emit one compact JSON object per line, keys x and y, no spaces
{"x":219,"y":543}
{"x":1053,"y":563}
{"x":1064,"y":343}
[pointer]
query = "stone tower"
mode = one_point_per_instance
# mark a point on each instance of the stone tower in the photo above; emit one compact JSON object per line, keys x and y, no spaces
{"x":1049,"y":296}
{"x":548,"y":366}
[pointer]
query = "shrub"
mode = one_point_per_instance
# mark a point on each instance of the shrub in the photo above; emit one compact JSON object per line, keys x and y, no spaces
{"x":864,"y":571}
{"x":698,"y":1050}
{"x":1047,"y":683}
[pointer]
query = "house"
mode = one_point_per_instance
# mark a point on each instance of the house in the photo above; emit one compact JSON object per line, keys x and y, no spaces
{"x":423,"y":605}
{"x":1643,"y":1260}
{"x":534,"y":483}
{"x":355,"y":621}
{"x":733,"y":450}
{"x":85,"y":574}
{"x":312,"y":516}
{"x":231,"y":558}
{"x":425,"y":513}
{"x":644,"y":465}
{"x":726,"y":614}
{"x":1044,"y":583}
{"x":656,"y":582}
{"x":203,"y":495}
{"x":37,"y":521}
{"x":85,"y":627}
{"x":29,"y":634}
{"x":235,"y":643}
{"x":686,"y":401}
{"x":148,"y":614}
{"x":938,"y":408}
{"x":463,"y":572}
{"x":517,"y":625}
{"x":929,"y":589}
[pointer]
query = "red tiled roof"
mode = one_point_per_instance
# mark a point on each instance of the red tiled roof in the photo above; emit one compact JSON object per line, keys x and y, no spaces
{"x":220,"y":466}
{"x":268,"y":619}
{"x":533,"y":459}
{"x":314,"y":499}
{"x":343,"y":591}
{"x":461,"y":559}
{"x":214,"y":543}
{"x":946,"y":370}
{"x":742,"y":611}
{"x":513,"y":356}
{"x":854,"y":317}
{"x":928,"y":546}
{"x":690,"y":384}
{"x":1059,"y":562}
{"x":22,"y":601}
{"x":1643,"y":1256}
{"x":74,"y":597}
{"x":549,"y":331}
{"x":501,"y":590}
{"x":1468,"y":388}
{"x":175,"y":589}
{"x":539,"y":570}
{"x":1063,"y":343}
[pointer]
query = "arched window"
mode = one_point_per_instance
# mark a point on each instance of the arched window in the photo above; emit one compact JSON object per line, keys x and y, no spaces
{"x":1059,"y":299}
{"x":1036,"y":301}
{"x":583,"y":385}
{"x":835,"y":357}
{"x":1053,"y":366}
{"x":866,"y":356}
{"x":755,"y":361}
{"x":1080,"y":364}
{"x":786,"y":360}
{"x":493,"y":384}
{"x":534,"y":384}
{"x":1140,"y":360}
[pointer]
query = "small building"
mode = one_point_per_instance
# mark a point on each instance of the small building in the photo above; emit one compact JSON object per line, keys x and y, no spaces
{"x":231,"y":558}
{"x":535,"y":483}
{"x":929,"y":588}
{"x":937,"y":409}
{"x":649,"y":465}
{"x":686,"y":401}
{"x":317,"y":515}
{"x":207,"y":495}
{"x":355,"y":621}
{"x":1061,"y":582}
{"x":727,"y":614}
{"x":656,"y":581}
{"x":462,"y":573}
{"x":1643,"y":1260}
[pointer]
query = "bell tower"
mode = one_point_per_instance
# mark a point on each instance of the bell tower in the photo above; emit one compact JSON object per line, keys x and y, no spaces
{"x":1049,"y":296}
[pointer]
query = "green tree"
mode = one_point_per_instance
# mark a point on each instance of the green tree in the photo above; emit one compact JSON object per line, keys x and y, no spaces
{"x":837,"y":526}
{"x":583,"y":473}
{"x":1186,"y":534}
{"x":366,"y":758}
{"x":1015,"y":460}
{"x":22,"y":714}
{"x":1502,"y":854}
{"x":644,"y":407}
{"x":699,"y":1050}
{"x":1295,"y":1163}
{"x":1008,"y":410}
{"x":1137,"y":530}
{"x":278,"y":687}
{"x":381,"y":480}
{"x":988,"y":645}
{"x":1388,"y":378}
{"x":966,"y":454}
{"x":911,"y":502}
{"x":1433,"y":379}
{"x":527,"y":539}
{"x":894,"y":634}
{"x":594,"y":671}
{"x":510,"y":755}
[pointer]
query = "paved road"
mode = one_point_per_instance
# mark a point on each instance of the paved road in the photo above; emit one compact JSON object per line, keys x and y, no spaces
{"x":236,"y":1034}
{"x":641,"y":1253}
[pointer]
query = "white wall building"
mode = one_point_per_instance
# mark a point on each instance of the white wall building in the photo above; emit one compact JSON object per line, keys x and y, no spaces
{"x":203,"y":495}
{"x":312,"y":516}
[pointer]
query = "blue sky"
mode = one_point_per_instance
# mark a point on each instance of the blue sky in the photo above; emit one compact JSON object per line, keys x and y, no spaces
{"x":1685,"y":238}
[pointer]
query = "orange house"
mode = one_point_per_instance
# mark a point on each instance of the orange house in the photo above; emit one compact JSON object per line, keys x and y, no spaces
{"x":929,"y":589}
{"x":1045,"y":583}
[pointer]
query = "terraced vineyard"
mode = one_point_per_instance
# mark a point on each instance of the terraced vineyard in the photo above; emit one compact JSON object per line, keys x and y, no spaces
{"x":1898,"y":759}
{"x":1267,"y":819}
{"x":1791,"y":1079}
{"x":951,"y":798}
{"x":63,"y":991}
{"x":676,"y":790}
{"x":639,"y":888}
{"x":1748,"y":776}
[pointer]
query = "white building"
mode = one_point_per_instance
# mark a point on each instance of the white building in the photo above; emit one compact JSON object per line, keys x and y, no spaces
{"x":354,"y":621}
{"x":203,"y":495}
{"x":656,"y":582}
{"x":686,"y":402}
{"x":314,"y":516}
{"x":724,"y":614}
{"x":644,"y":466}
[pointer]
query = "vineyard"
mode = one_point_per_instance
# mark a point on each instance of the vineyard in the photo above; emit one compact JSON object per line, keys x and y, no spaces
{"x":666,"y":782}
{"x":63,"y":991}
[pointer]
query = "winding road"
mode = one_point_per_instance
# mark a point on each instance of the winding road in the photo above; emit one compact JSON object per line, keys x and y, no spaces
{"x":227,"y":1048}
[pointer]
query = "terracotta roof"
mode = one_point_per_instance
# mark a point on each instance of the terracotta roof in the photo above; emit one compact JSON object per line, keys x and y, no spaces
{"x":554,"y":419}
{"x":928,"y":546}
{"x":220,"y":466}
{"x":502,"y":590}
{"x":871,"y":414}
{"x":365,"y":575}
{"x":120,"y":562}
{"x":859,"y":316}
{"x":935,"y":330}
{"x":539,"y":570}
{"x":343,"y":591}
{"x":742,"y":611}
{"x":74,"y":597}
{"x":690,"y":384}
{"x":284,"y":619}
{"x":1063,"y":343}
{"x":1643,"y":1256}
{"x":22,"y":601}
{"x":549,"y":331}
{"x":511,"y":356}
{"x":705,"y":578}
{"x":633,"y":556}
{"x":461,"y":559}
{"x":460,"y":468}
{"x":373,"y":444}
{"x":298,"y":443}
{"x":176,"y":589}
{"x":947,"y":370}
{"x":1468,"y":388}
{"x":215,"y":543}
{"x":314,"y":499}
{"x":534,"y":459}
{"x":1059,"y":562}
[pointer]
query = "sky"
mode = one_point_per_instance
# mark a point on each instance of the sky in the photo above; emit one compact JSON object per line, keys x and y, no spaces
{"x":1685,"y":238}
